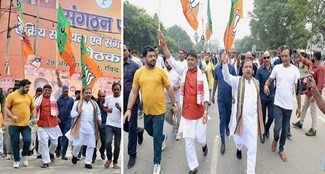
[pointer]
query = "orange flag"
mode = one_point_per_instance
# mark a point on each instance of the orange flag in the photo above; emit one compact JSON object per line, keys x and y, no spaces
{"x":190,"y":10}
{"x":208,"y":31}
{"x":89,"y":69}
{"x":236,"y":13}
{"x":20,"y":30}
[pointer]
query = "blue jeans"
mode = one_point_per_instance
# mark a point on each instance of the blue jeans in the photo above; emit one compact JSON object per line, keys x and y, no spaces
{"x":102,"y":136}
{"x":224,"y":117}
{"x":110,"y":132}
{"x":154,"y":125}
{"x":281,"y":121}
{"x":26,"y":133}
{"x":269,"y":104}
{"x":63,"y":141}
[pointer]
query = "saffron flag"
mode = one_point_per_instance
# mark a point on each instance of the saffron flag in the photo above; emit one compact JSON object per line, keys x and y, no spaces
{"x":208,"y":31}
{"x":89,"y":69}
{"x":20,"y":30}
{"x":190,"y":10}
{"x":236,"y":13}
{"x":63,"y":38}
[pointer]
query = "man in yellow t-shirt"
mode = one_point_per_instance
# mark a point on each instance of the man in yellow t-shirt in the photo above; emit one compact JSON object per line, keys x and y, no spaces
{"x":21,"y":106}
{"x":210,"y":72}
{"x":152,"y":80}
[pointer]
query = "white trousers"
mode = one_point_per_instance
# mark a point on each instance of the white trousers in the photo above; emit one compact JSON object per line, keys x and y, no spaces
{"x":46,"y":150}
{"x":89,"y":153}
{"x":313,"y":112}
{"x":1,"y":141}
{"x":251,"y":158}
{"x":191,"y":151}
{"x":33,"y":143}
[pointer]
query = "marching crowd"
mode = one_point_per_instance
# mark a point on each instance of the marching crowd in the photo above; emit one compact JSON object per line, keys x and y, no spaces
{"x":252,"y":93}
{"x":47,"y":123}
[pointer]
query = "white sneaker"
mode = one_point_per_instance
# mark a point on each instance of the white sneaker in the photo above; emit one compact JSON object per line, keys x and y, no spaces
{"x":178,"y":136}
{"x":24,"y":161}
{"x":156,"y":169}
{"x":16,"y":164}
{"x":164,"y":142}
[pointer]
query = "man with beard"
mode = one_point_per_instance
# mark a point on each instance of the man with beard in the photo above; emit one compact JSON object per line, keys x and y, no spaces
{"x":248,"y":55}
{"x":195,"y":102}
{"x":286,"y":76}
{"x":84,"y":130}
{"x":317,"y":71}
{"x":131,"y":125}
{"x":21,"y":105}
{"x":152,"y":80}
{"x":247,"y":121}
{"x":48,"y":129}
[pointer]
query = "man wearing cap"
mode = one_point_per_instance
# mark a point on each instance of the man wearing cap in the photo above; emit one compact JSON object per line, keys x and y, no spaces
{"x":65,"y":104}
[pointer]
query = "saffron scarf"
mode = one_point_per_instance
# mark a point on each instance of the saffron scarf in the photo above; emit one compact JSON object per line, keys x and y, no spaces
{"x":53,"y":106}
{"x":240,"y":103}
{"x":199,"y":84}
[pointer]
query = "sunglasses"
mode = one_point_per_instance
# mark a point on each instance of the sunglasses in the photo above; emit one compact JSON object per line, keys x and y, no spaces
{"x":101,"y":96}
{"x":267,"y":57}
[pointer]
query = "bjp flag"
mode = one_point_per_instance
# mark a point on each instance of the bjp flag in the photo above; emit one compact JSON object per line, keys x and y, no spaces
{"x":89,"y":69}
{"x":208,"y":31}
{"x":63,"y":39}
{"x":236,"y":13}
{"x":190,"y":10}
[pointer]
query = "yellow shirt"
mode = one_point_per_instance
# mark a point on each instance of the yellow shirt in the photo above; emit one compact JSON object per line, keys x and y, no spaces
{"x":20,"y":105}
{"x":152,"y":83}
{"x":210,"y":72}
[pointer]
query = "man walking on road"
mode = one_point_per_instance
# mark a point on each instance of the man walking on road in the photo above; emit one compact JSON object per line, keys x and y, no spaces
{"x":152,"y":80}
{"x":262,"y":74}
{"x":286,"y":76}
{"x":247,"y":119}
{"x":225,"y":101}
{"x":21,"y":105}
{"x":195,"y":99}
{"x":317,"y":71}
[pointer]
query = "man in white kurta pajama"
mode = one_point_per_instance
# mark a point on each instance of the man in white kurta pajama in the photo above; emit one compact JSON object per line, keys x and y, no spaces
{"x":247,"y":119}
{"x":87,"y":115}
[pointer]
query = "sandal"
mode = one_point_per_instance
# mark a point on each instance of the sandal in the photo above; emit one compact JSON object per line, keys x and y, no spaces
{"x":107,"y":164}
{"x":273,"y":146}
{"x":283,"y":156}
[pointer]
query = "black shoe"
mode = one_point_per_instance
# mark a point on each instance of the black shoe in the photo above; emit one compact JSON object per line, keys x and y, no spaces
{"x":74,"y":160}
{"x":289,"y":135}
{"x":222,"y":149}
{"x":64,"y":157}
{"x":102,"y":155}
{"x":31,"y":152}
{"x":262,"y":139}
{"x":238,"y":154}
{"x":39,"y":157}
{"x":57,"y":153}
{"x":227,"y":132}
{"x":131,"y":162}
{"x":93,"y":161}
{"x":140,"y":136}
{"x":45,"y":165}
{"x":311,"y":132}
{"x":193,"y":171}
{"x":52,"y":157}
{"x":88,"y":166}
{"x":205,"y":150}
{"x":297,"y":124}
{"x":267,"y":134}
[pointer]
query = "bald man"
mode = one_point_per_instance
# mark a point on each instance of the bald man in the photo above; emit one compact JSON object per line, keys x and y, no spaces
{"x":100,"y":101}
{"x":262,"y":74}
{"x":248,"y":56}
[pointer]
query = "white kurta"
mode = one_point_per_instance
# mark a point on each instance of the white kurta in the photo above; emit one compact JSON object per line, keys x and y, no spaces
{"x":87,"y":134}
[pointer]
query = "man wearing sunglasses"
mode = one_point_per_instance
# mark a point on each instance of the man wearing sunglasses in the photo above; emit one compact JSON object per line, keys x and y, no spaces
{"x":262,"y":74}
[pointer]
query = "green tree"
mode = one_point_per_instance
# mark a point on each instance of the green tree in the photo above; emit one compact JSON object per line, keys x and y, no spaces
{"x":180,"y":38}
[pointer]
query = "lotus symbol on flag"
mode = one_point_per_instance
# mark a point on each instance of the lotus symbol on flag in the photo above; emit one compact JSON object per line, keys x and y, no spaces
{"x":193,"y":3}
{"x":18,"y":4}
{"x":89,"y":75}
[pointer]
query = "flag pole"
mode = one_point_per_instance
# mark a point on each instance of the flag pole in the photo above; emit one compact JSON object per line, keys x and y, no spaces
{"x":8,"y":41}
{"x":159,"y":15}
{"x":37,"y":24}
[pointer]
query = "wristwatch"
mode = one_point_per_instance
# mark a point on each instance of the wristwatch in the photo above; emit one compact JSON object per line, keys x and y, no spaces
{"x":206,"y":112}
{"x":175,"y":104}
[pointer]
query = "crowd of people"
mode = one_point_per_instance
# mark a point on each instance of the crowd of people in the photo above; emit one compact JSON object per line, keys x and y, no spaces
{"x":47,"y":123}
{"x":254,"y":91}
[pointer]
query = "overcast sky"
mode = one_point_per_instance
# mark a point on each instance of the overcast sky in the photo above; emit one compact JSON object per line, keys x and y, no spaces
{"x":171,"y":14}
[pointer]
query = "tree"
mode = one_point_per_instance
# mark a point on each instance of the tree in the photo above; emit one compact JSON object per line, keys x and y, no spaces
{"x":180,"y":38}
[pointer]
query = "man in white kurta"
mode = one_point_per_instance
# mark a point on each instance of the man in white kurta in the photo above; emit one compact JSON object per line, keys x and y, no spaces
{"x":89,"y":114}
{"x":249,"y":116}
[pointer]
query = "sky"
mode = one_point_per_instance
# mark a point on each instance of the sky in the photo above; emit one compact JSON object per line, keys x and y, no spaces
{"x":171,"y":13}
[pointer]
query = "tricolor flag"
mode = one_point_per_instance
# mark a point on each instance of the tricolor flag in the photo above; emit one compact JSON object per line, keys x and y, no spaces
{"x":89,"y":69}
{"x":190,"y":10}
{"x":208,"y":31}
{"x":63,"y":38}
{"x":20,"y":30}
{"x":236,"y":13}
